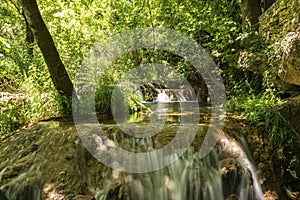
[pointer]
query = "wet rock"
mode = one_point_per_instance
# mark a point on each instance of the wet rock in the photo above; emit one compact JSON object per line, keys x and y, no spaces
{"x":231,"y":177}
{"x":262,"y":151}
{"x":271,"y":195}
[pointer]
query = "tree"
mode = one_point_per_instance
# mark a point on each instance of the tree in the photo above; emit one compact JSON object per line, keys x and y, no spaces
{"x":267,"y":4}
{"x":251,"y":11}
{"x":29,"y":36}
{"x":41,"y":34}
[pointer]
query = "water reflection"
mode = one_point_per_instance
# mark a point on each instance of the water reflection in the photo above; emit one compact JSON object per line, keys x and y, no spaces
{"x":169,"y":112}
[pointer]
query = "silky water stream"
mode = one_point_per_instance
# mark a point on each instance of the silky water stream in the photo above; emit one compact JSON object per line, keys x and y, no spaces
{"x":225,"y":173}
{"x":49,"y":162}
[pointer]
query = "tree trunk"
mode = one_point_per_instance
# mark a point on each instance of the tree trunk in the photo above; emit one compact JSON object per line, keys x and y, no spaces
{"x":29,"y":37}
{"x":268,"y":4}
{"x":250,"y":10}
{"x":45,"y":42}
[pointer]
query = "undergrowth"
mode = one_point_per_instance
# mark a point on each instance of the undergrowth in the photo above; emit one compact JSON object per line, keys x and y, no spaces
{"x":260,"y":108}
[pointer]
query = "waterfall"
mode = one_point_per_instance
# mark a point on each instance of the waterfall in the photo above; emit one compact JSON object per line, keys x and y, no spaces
{"x":184,"y":179}
{"x":163,"y":97}
{"x":239,"y":152}
{"x":175,"y":95}
{"x":192,"y":178}
{"x":227,"y":172}
{"x":181,"y":96}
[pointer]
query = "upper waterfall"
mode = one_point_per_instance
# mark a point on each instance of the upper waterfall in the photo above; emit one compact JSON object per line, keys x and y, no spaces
{"x":175,"y":95}
{"x":163,"y":97}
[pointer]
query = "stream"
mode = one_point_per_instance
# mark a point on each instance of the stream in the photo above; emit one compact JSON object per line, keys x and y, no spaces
{"x":51,"y":161}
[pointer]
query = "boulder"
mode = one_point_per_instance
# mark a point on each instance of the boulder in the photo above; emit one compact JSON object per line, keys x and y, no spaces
{"x":289,"y":67}
{"x":290,"y":111}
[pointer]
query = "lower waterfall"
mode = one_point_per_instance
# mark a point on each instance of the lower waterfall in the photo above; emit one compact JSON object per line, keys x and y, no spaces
{"x":223,"y":174}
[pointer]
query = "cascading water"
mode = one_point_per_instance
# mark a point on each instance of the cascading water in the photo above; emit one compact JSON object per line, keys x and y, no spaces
{"x":225,"y":173}
{"x":175,"y":95}
{"x":163,"y":97}
{"x":189,"y":177}
{"x":181,"y":96}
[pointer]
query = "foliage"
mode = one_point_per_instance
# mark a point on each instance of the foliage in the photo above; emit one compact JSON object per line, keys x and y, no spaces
{"x":27,"y":94}
{"x":21,"y":110}
{"x":260,"y":109}
{"x":78,"y":25}
{"x":103,"y":94}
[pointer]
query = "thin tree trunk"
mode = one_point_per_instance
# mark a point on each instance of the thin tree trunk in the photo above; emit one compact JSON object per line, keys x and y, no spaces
{"x":51,"y":56}
{"x":29,"y":37}
{"x":250,"y":10}
{"x":268,"y":4}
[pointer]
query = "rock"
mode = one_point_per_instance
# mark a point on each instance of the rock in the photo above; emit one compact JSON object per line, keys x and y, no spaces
{"x":290,"y":110}
{"x":289,"y":68}
{"x":232,"y":197}
{"x":80,"y":175}
{"x":252,"y":61}
{"x":271,"y":195}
